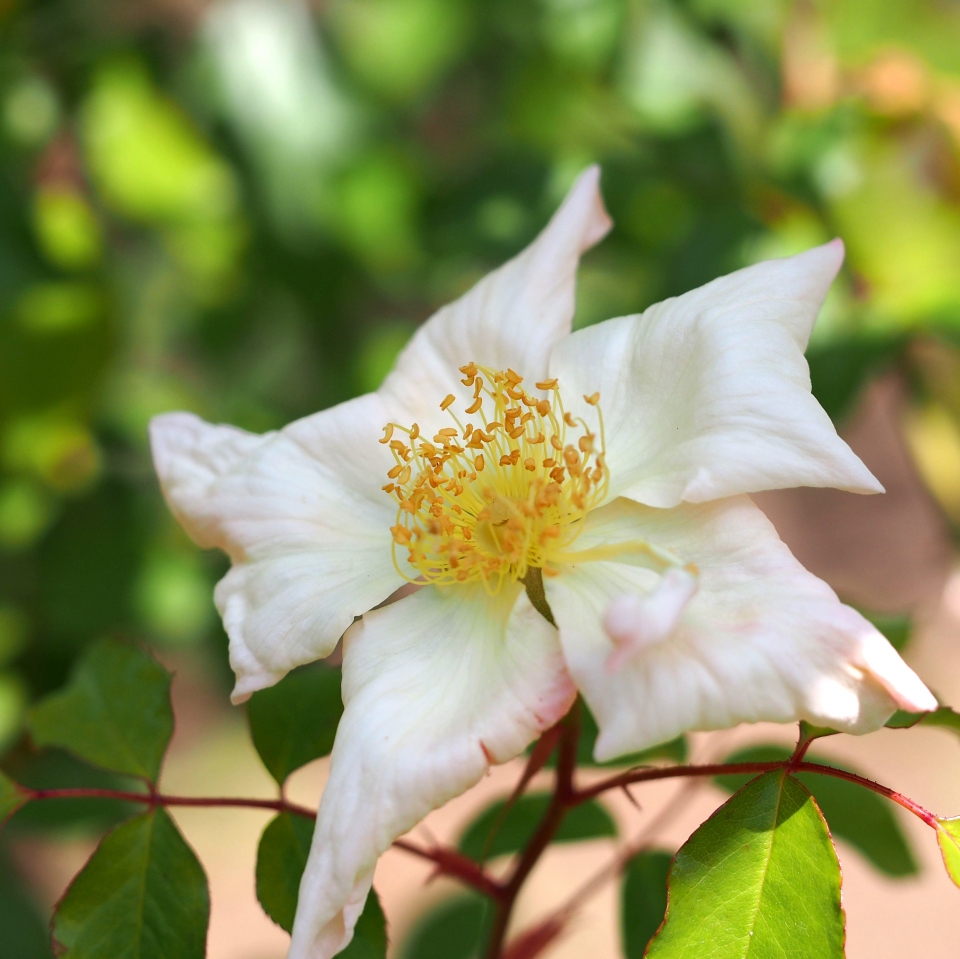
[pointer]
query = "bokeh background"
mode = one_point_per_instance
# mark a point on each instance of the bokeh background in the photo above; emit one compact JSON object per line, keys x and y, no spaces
{"x":243,"y":208}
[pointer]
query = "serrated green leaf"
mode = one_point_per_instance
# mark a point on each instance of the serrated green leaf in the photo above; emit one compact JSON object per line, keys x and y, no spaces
{"x":674,"y":749}
{"x":115,"y":711}
{"x":948,"y":835}
{"x":759,"y":879}
{"x":12,"y":797}
{"x":643,"y":900}
{"x":142,"y":895}
{"x":456,"y":929}
{"x":860,"y":817}
{"x":281,"y":859}
{"x":589,"y":820}
{"x":296,"y":721}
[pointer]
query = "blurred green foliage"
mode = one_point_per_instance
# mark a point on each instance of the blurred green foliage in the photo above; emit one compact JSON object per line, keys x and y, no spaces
{"x":243,"y":208}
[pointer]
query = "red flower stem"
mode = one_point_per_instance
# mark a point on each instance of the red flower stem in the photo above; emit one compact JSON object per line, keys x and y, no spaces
{"x":564,"y":794}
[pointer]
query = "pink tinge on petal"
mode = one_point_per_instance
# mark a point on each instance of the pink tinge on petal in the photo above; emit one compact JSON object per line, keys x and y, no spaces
{"x":883,"y":664}
{"x":636,"y":623}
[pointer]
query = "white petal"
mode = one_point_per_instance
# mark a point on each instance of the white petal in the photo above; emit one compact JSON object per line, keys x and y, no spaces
{"x":708,"y":394}
{"x":436,"y":687}
{"x":303,"y":518}
{"x":511,"y":318}
{"x":761,"y":640}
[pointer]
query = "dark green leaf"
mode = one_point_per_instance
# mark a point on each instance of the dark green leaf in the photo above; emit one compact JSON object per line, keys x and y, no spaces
{"x":857,"y":815}
{"x":115,"y":711}
{"x":674,"y":750}
{"x":589,"y":820}
{"x":24,"y":931}
{"x":948,"y":835}
{"x":281,"y":858}
{"x":840,"y":369}
{"x":897,"y":629}
{"x":643,"y":900}
{"x":456,"y":929}
{"x":142,"y":895}
{"x":12,"y":797}
{"x":759,"y":878}
{"x":295,"y":721}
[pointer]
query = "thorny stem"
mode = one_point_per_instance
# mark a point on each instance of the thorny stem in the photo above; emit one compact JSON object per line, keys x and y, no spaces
{"x":450,"y":862}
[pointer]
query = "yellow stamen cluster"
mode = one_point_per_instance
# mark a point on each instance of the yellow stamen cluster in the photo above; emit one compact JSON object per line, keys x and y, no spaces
{"x":489,"y":501}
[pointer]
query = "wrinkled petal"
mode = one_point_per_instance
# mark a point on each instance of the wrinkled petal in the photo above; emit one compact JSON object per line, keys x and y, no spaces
{"x":436,"y":687}
{"x":708,"y":394}
{"x":301,"y":515}
{"x":511,"y":318}
{"x":761,"y":639}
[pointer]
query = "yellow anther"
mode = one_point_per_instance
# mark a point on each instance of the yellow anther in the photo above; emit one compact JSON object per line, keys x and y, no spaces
{"x":569,"y":420}
{"x":447,"y":431}
{"x":556,"y":442}
{"x":530,"y":464}
{"x":512,"y":377}
{"x":401,"y":534}
{"x":387,"y":433}
{"x":543,"y":408}
{"x":404,"y":475}
{"x":475,"y":405}
{"x":514,"y":394}
{"x":389,"y":488}
{"x":516,"y":433}
{"x":536,"y":440}
{"x":592,"y":399}
{"x":556,"y":475}
{"x":549,"y":463}
{"x":478,"y":463}
{"x":586,"y":443}
{"x":414,"y":432}
{"x":448,"y":401}
{"x":395,"y":471}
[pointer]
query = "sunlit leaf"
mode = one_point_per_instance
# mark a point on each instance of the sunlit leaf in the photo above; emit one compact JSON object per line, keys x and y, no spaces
{"x":512,"y":831}
{"x":643,"y":900}
{"x":948,"y":835}
{"x":115,"y":712}
{"x":857,"y":815}
{"x":295,"y":721}
{"x":142,"y":895}
{"x":453,"y":930}
{"x":759,"y":878}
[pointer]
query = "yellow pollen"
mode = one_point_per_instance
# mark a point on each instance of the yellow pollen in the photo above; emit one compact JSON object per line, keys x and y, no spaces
{"x":484,"y":503}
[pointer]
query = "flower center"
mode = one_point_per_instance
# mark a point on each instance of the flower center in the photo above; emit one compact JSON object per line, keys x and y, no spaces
{"x":491,"y":501}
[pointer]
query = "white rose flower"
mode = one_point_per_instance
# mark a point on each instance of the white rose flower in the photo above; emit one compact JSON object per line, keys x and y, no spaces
{"x":574,"y":509}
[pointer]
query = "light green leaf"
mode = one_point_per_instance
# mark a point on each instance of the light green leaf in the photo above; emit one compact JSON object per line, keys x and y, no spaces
{"x":511,"y":833}
{"x":643,"y":900}
{"x":857,"y":815}
{"x":455,"y":929}
{"x":295,"y":721}
{"x":115,"y":711}
{"x":12,"y":797}
{"x":142,"y":895}
{"x":948,"y":835}
{"x":758,"y":879}
{"x":281,"y":859}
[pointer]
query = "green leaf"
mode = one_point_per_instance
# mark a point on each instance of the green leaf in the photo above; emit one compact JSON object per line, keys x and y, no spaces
{"x":643,"y":900}
{"x":857,"y":815}
{"x":589,"y":820}
{"x":456,"y":929}
{"x":897,"y":629}
{"x":948,"y":835}
{"x":295,"y":721}
{"x":841,"y":368}
{"x":281,"y":859}
{"x":25,"y":933}
{"x":674,"y":750}
{"x":759,"y":878}
{"x":115,"y":711}
{"x":142,"y":895}
{"x":12,"y":797}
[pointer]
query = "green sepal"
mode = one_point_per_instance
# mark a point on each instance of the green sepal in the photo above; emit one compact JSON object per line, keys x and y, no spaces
{"x":295,"y":721}
{"x":142,"y":895}
{"x":495,"y":833}
{"x":115,"y":712}
{"x":759,"y":878}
